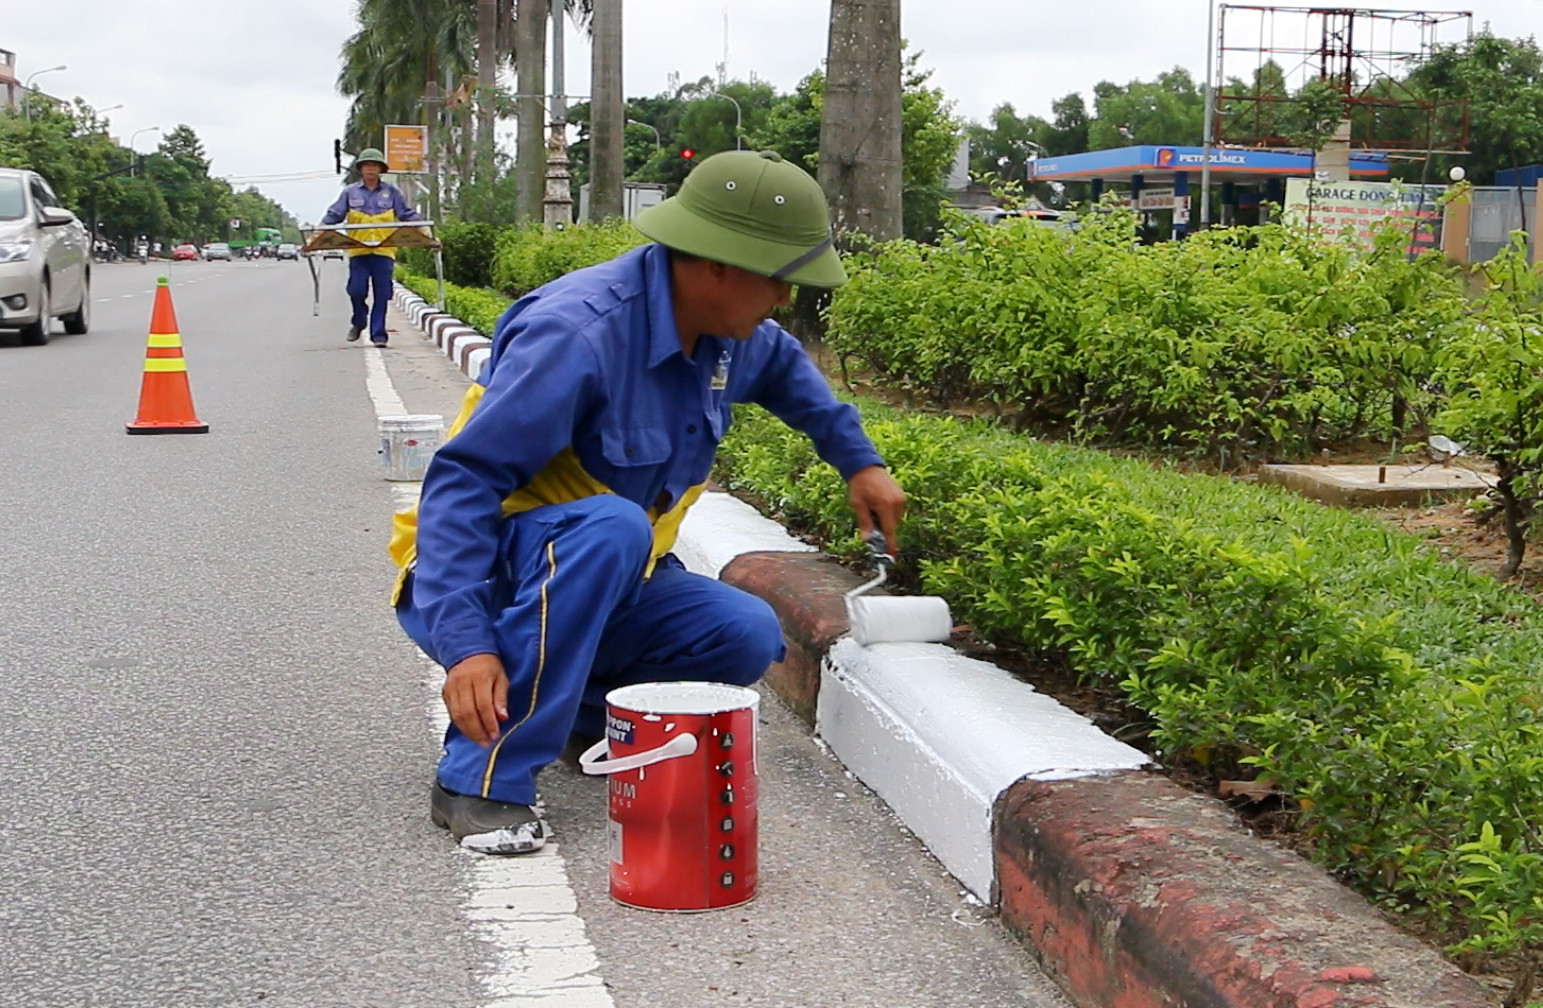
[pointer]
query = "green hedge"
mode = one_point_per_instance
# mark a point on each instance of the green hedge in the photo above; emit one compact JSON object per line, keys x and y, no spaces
{"x":526,"y":258}
{"x":1393,"y":696}
{"x":1232,"y":343}
{"x":476,"y":306}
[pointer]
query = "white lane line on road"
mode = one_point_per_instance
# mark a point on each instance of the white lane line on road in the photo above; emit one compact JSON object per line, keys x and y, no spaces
{"x":524,"y":907}
{"x":378,"y":380}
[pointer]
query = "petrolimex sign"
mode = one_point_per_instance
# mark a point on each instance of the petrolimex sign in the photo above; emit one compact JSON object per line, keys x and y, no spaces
{"x":1168,"y":157}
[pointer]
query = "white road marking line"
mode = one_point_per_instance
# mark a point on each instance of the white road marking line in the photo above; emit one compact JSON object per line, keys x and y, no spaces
{"x":524,"y":908}
{"x":378,"y":380}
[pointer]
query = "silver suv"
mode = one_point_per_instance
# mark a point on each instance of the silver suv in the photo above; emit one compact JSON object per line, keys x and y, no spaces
{"x":45,"y":260}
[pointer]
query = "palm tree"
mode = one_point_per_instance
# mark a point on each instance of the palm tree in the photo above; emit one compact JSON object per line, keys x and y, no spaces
{"x":607,"y":112}
{"x":860,"y":127}
{"x":530,"y":66}
{"x":397,"y":56}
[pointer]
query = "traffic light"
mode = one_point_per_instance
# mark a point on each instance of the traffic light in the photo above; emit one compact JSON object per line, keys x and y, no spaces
{"x":337,"y":156}
{"x":688,"y":153}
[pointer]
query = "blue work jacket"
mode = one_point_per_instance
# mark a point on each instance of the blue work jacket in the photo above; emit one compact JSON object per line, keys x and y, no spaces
{"x":587,"y":390}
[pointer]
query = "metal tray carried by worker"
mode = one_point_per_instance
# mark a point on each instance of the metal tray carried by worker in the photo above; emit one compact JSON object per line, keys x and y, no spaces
{"x":403,"y":234}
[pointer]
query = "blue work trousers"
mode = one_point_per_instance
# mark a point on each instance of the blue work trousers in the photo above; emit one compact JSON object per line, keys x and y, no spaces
{"x":575,"y":619}
{"x":364,"y":272}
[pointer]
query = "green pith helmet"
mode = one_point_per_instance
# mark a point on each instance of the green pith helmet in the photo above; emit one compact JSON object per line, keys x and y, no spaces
{"x":752,"y":210}
{"x":371,"y":154}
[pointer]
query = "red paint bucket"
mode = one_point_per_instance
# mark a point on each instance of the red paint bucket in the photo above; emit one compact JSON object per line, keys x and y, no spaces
{"x":683,"y":794}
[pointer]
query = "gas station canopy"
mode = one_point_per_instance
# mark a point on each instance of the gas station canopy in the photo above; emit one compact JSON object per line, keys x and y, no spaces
{"x":1164,"y":178}
{"x":1150,"y":163}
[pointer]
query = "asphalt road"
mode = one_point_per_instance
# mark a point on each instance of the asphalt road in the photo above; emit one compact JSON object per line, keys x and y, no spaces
{"x":215,"y":743}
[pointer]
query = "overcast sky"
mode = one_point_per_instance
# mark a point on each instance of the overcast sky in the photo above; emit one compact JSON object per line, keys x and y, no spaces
{"x":256,"y":80}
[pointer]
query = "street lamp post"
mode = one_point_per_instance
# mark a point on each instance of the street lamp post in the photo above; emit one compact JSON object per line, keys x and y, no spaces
{"x":658,"y":143}
{"x":27,"y":87}
{"x":134,"y":136}
{"x":99,"y":113}
{"x":1039,"y":152}
{"x":738,"y":117}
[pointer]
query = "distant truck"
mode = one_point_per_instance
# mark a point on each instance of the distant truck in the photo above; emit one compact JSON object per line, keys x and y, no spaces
{"x":636,"y":197}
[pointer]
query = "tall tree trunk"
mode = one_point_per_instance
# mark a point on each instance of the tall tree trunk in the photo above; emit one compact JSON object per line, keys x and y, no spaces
{"x":607,"y":109}
{"x":530,"y":66}
{"x":487,"y":82}
{"x":860,"y":125}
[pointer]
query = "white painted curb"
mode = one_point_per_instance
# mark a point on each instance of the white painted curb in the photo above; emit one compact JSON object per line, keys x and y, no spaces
{"x":937,"y":735}
{"x":466,"y":347}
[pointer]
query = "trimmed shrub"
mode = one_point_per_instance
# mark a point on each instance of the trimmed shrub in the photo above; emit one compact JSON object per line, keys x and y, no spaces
{"x":1392,"y":696}
{"x":528,"y":257}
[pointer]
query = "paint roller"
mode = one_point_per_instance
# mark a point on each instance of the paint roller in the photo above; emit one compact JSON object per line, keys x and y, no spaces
{"x":877,"y":619}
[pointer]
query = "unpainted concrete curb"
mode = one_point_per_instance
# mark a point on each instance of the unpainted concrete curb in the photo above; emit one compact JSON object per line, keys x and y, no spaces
{"x":1129,"y":891}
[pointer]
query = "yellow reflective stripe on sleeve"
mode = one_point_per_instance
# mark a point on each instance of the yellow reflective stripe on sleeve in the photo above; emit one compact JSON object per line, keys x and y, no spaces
{"x":166,"y":364}
{"x":165,"y":340}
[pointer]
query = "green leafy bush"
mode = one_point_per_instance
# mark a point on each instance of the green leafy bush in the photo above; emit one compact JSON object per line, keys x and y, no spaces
{"x":526,"y":258}
{"x":468,"y":253}
{"x":1493,"y":375}
{"x":1236,"y":342}
{"x":1393,"y":696}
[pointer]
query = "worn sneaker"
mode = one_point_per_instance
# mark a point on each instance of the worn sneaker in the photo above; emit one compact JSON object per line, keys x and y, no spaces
{"x":487,"y":826}
{"x":354,"y":332}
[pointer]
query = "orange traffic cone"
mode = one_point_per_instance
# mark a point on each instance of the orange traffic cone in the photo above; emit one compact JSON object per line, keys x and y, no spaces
{"x":165,"y":400}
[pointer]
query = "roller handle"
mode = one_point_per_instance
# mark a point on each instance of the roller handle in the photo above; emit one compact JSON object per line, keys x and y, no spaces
{"x":878,"y":550}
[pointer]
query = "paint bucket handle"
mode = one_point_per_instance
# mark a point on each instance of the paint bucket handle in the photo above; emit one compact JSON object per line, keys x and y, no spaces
{"x":593,"y":761}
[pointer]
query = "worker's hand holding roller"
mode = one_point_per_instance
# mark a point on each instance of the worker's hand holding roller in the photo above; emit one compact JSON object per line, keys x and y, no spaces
{"x":878,"y":502}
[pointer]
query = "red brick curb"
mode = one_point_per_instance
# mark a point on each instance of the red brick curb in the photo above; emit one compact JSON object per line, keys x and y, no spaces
{"x":1132,"y":892}
{"x":806,"y":591}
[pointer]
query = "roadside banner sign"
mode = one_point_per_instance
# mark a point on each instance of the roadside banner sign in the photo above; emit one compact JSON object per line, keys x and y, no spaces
{"x":407,"y":148}
{"x":1354,"y":209}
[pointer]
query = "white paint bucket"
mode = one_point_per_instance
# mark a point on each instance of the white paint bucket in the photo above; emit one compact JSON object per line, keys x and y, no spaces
{"x":408,"y":442}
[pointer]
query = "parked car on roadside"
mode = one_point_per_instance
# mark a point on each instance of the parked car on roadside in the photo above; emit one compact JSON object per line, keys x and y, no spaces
{"x":187,"y":250}
{"x":289,"y":251}
{"x":45,"y":260}
{"x":217,"y":250}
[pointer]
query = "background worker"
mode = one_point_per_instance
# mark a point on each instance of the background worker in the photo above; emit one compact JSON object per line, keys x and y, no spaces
{"x":366,"y":201}
{"x":537,"y":568}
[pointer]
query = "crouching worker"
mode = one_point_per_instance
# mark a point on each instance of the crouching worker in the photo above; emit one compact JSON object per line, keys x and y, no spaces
{"x":537,"y":569}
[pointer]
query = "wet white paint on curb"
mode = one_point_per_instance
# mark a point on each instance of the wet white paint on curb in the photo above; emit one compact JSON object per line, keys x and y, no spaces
{"x":722,"y":527}
{"x":937,"y":735}
{"x":524,"y":908}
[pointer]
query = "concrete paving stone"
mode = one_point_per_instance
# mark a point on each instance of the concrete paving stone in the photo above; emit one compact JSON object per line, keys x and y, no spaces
{"x":1378,"y":486}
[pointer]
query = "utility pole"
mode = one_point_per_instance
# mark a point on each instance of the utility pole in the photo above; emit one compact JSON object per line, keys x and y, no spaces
{"x":432,"y":101}
{"x":1209,"y":128}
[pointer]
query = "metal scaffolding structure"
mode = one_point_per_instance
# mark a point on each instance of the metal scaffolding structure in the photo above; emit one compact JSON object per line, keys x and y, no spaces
{"x":1264,"y":56}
